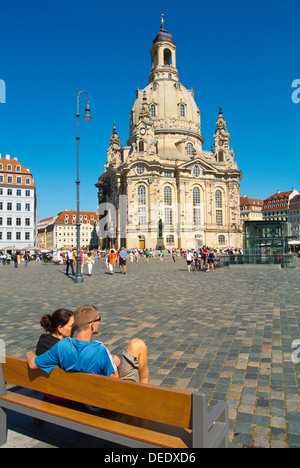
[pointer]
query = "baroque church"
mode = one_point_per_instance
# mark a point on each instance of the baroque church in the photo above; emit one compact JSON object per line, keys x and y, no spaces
{"x":163,"y":189}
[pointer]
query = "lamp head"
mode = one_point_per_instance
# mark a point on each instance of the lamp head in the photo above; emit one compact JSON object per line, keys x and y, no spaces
{"x":87,"y":115}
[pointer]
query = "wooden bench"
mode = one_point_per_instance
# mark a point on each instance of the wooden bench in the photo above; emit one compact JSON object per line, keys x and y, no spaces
{"x":134,"y":414}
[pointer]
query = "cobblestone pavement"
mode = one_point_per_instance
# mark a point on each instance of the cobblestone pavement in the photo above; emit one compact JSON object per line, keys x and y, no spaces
{"x":227,"y":333}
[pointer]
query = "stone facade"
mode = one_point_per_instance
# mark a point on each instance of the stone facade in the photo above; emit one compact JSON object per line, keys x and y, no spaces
{"x":163,"y":189}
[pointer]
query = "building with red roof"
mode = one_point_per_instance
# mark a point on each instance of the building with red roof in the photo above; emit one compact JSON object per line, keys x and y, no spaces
{"x":276,"y":207}
{"x":18,"y":205}
{"x":60,"y":231}
{"x":294,"y":220}
{"x":251,"y":209}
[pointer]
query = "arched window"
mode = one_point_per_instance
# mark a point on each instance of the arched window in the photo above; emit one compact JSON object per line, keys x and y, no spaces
{"x":221,"y":240}
{"x":167,"y":57}
{"x":141,"y":145}
{"x":219,"y":206}
{"x":153,"y":110}
{"x":189,"y":148}
{"x":142,"y":205}
{"x":141,"y":195}
{"x":168,"y":196}
{"x":170,"y":239}
{"x":182,"y":110}
{"x":168,"y":206}
{"x":218,"y":199}
{"x":196,"y":206}
{"x":220,"y":156}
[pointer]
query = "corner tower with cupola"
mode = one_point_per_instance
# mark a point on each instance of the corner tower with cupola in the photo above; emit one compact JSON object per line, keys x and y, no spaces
{"x":163,"y":187}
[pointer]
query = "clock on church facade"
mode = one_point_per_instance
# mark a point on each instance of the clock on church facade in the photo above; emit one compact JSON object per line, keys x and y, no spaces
{"x":163,"y":189}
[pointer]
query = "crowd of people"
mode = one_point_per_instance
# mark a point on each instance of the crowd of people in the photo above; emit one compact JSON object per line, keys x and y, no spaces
{"x":17,"y":258}
{"x":203,"y":259}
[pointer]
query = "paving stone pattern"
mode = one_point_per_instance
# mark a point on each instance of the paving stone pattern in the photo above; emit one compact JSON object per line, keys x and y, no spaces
{"x":227,"y":333}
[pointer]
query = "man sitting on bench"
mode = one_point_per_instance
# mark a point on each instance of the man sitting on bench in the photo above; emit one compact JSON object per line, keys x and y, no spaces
{"x":80,"y":354}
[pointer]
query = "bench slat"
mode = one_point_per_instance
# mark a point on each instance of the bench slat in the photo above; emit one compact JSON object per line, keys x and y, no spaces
{"x":133,"y":428}
{"x":159,"y":404}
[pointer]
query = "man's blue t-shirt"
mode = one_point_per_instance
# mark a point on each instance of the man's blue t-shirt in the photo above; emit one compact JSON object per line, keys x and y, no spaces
{"x":123,"y":253}
{"x":78,"y":356}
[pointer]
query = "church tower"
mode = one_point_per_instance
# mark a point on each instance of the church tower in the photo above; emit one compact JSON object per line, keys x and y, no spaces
{"x":173,"y":191}
{"x":163,"y":56}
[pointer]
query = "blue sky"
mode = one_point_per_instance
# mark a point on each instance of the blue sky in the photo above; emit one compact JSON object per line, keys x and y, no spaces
{"x":243,"y":56}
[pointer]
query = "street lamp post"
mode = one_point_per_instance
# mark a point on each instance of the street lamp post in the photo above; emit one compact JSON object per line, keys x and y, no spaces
{"x":78,"y":277}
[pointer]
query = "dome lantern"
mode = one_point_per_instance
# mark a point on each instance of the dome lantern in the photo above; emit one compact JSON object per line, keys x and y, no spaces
{"x":163,"y":56}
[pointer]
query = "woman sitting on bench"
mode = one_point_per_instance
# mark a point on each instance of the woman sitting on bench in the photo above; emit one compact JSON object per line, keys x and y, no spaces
{"x":57,"y":326}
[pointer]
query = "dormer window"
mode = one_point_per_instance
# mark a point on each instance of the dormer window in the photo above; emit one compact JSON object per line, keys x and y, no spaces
{"x":8,"y":167}
{"x":153,"y":110}
{"x":189,"y":148}
{"x":196,"y":171}
{"x":220,"y":156}
{"x":182,"y":110}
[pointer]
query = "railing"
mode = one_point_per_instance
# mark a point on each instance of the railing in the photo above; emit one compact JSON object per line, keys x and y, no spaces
{"x":285,"y":260}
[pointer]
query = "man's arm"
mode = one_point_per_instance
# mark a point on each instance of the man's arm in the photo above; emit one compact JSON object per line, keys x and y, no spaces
{"x":115,"y":374}
{"x":46,"y":361}
{"x":117,"y":362}
{"x":30,"y":360}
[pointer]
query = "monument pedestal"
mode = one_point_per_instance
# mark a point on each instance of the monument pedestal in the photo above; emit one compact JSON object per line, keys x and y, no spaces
{"x":160,"y":244}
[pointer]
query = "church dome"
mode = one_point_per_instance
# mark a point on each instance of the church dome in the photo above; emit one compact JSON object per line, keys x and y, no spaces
{"x":172,"y":108}
{"x":163,"y":35}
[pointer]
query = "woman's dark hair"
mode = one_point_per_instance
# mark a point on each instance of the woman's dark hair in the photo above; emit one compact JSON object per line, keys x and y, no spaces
{"x":50,"y":323}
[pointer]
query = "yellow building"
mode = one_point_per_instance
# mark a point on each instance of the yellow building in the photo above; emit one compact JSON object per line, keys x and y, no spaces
{"x":163,"y":189}
{"x":251,"y":209}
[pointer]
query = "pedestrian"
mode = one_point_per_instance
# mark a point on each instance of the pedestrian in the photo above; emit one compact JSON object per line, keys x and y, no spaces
{"x":90,"y":262}
{"x":136,"y":255}
{"x":26,"y":258}
{"x":82,"y":260}
{"x":69,"y":261}
{"x":211,"y":259}
{"x":203,"y":253}
{"x":147,"y":255}
{"x":189,"y":259}
{"x":122,"y":260}
{"x":111,"y":261}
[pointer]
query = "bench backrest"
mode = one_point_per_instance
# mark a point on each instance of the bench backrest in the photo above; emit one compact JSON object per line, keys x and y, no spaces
{"x":151,"y":402}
